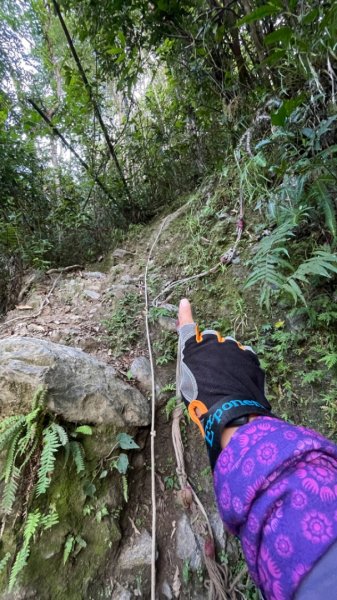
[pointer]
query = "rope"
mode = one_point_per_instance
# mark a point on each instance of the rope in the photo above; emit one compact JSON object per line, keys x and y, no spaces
{"x":153,"y":417}
{"x":218,"y":575}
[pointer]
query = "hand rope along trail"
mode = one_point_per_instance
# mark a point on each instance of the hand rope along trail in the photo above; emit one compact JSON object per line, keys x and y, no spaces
{"x":218,"y":575}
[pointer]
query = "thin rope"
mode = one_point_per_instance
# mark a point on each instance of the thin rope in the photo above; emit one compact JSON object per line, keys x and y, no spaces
{"x":153,"y":418}
{"x":218,"y":575}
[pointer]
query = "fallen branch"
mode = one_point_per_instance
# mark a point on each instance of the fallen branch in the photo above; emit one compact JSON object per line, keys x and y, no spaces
{"x":65,"y":269}
{"x":44,"y":302}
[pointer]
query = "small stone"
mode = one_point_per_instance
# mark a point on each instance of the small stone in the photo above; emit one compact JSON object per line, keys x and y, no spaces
{"x":222,"y":215}
{"x":91,"y":294}
{"x":236,"y":260}
{"x":94,"y":275}
{"x":33,"y":327}
{"x":166,"y":590}
{"x":119,"y":290}
{"x":120,"y":253}
{"x":135,"y":561}
{"x":167,"y":323}
{"x":120,"y":593}
{"x":187,"y":547}
{"x":218,"y":529}
{"x":127,"y":279}
{"x":140,"y":370}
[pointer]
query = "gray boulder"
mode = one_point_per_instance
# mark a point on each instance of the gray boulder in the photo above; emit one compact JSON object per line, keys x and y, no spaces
{"x":187,"y":545}
{"x":134,"y":563}
{"x":80,"y":388}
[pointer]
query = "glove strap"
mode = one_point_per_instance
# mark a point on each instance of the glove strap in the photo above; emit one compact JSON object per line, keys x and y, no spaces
{"x":226,"y":413}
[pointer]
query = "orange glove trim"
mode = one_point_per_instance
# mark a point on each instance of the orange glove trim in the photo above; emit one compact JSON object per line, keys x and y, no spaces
{"x":192,"y":412}
{"x":198,"y":335}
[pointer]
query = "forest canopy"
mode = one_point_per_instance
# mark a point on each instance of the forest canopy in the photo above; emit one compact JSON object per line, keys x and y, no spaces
{"x":110,"y":111}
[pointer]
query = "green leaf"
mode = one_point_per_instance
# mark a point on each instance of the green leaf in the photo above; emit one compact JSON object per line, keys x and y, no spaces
{"x":85,"y":429}
{"x":89,"y":489}
{"x":115,"y":50}
{"x":126,"y":442}
{"x":4,"y":561}
{"x":259,"y":13}
{"x":122,"y":463}
{"x":68,"y":547}
{"x":283,"y":34}
{"x":279,"y":117}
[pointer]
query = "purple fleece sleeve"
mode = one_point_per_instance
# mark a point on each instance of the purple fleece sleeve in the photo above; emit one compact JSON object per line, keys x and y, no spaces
{"x":276,"y":488}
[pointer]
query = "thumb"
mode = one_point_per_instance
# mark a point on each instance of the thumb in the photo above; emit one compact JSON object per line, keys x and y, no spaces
{"x":185,"y":313}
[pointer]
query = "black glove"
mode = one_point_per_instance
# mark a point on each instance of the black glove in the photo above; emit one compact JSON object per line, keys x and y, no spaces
{"x":221,"y":378}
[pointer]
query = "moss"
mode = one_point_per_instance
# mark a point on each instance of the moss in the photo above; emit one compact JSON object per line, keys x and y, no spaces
{"x":45,"y":572}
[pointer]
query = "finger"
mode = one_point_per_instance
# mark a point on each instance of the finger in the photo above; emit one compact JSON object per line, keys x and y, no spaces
{"x":185,"y":313}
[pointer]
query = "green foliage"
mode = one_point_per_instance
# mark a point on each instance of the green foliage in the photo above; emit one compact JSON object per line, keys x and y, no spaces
{"x":31,"y":441}
{"x":123,"y":327}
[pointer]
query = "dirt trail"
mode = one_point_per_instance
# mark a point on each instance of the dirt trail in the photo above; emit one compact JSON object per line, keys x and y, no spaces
{"x":74,"y":314}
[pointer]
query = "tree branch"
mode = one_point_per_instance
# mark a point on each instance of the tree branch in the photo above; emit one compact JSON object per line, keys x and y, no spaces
{"x":85,"y":165}
{"x":92,"y":98}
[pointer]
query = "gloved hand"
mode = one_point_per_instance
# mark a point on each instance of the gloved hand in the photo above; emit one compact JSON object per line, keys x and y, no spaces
{"x":221,"y":381}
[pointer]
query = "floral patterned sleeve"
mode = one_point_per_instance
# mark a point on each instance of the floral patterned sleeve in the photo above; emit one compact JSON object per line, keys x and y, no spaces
{"x":276,"y":488}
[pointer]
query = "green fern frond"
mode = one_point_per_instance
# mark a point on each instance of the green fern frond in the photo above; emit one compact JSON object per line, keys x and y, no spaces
{"x":10,"y":457}
{"x":39,"y":398}
{"x":19,"y":564}
{"x":4,"y":561}
{"x":31,"y":525}
{"x":51,"y":444}
{"x":321,"y":195}
{"x":322,"y":263}
{"x":125,"y":488}
{"x":10,"y":428}
{"x":68,"y":547}
{"x":62,"y":434}
{"x":9,"y":421}
{"x":77,"y":453}
{"x":271,"y":260}
{"x":49,"y":520}
{"x":10,"y":489}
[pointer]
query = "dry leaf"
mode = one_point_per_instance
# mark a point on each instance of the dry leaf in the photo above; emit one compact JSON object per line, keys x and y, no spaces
{"x":176,"y":584}
{"x":24,"y":307}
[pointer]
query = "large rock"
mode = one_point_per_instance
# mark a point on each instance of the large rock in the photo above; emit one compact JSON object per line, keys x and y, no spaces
{"x":187,"y":545}
{"x":80,"y":388}
{"x":134,"y":563}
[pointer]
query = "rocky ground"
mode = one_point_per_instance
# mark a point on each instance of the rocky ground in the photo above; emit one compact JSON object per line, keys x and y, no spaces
{"x":89,"y":309}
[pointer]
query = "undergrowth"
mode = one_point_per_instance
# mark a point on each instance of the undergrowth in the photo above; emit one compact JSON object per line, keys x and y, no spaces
{"x":30,"y":445}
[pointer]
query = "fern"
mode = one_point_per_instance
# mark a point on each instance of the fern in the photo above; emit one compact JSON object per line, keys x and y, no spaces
{"x":68,"y":547}
{"x":322,"y":264}
{"x":49,"y":520}
{"x":10,"y":458}
{"x":10,"y":489}
{"x":19,"y":564}
{"x":4,"y":561}
{"x":31,"y":526}
{"x":62,"y":434}
{"x":320,"y":194}
{"x":39,"y":397}
{"x":51,"y":444}
{"x":77,"y":453}
{"x":268,"y":263}
{"x":9,"y":428}
{"x":125,"y":488}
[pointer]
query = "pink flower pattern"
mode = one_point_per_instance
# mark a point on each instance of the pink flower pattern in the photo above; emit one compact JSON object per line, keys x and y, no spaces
{"x":316,"y":527}
{"x":276,"y":487}
{"x":283,"y":545}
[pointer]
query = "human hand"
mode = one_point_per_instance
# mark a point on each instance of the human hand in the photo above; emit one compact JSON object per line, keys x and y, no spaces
{"x":221,"y":380}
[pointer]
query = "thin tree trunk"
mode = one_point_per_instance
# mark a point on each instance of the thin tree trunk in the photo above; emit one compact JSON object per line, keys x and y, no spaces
{"x":92,"y":98}
{"x":57,"y":132}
